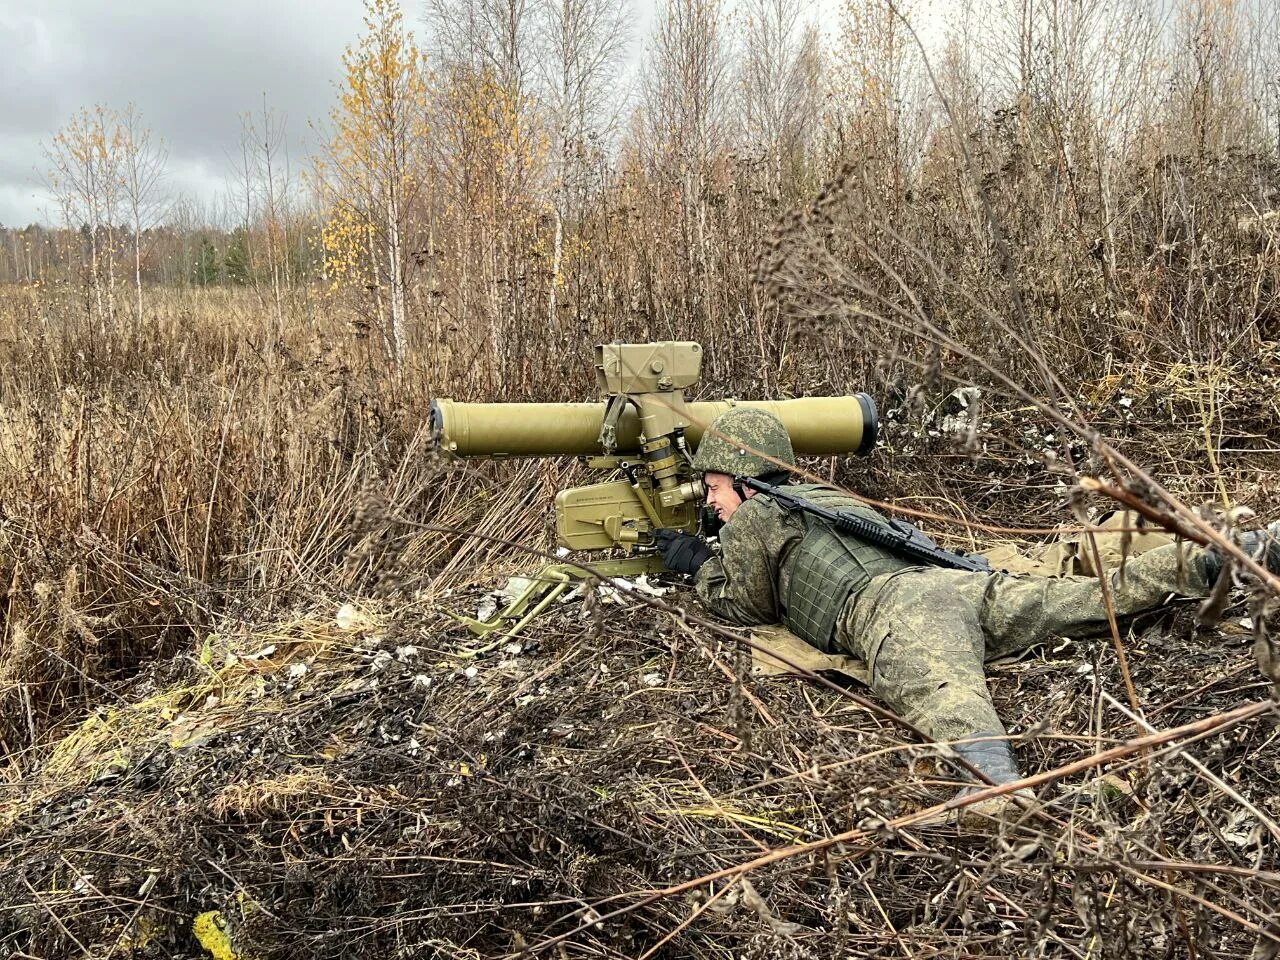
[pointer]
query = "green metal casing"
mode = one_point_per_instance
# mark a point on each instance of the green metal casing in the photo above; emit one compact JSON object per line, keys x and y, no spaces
{"x":644,"y":428}
{"x":819,"y":426}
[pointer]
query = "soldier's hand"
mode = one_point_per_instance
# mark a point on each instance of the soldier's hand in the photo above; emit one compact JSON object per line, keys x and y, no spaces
{"x":681,"y":552}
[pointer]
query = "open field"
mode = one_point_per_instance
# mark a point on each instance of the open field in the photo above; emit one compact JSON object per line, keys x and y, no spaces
{"x":227,"y":684}
{"x":236,"y":720}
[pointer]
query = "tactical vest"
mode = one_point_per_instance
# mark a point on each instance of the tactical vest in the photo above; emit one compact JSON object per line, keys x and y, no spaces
{"x":827,"y":568}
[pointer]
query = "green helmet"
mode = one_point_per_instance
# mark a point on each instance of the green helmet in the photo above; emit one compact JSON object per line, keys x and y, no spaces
{"x":734,"y":442}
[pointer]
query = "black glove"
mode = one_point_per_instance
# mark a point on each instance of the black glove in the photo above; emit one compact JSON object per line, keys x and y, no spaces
{"x":681,"y":552}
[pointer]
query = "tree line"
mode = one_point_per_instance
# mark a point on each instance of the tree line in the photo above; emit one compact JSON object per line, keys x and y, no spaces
{"x":503,"y":175}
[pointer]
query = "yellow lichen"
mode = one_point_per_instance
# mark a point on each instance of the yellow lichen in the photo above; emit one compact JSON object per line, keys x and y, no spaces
{"x":210,"y":929}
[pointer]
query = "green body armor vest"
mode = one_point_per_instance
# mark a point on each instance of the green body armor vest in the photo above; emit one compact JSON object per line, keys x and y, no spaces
{"x":827,"y":568}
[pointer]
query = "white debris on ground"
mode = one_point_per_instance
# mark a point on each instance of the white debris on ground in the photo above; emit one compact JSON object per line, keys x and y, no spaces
{"x":487,"y":608}
{"x":351,"y":618}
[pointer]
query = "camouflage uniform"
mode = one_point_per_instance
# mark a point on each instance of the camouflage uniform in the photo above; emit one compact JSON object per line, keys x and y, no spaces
{"x":925,"y":632}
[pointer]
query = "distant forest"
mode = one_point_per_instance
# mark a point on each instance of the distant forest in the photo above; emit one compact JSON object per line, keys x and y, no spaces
{"x":173,"y":255}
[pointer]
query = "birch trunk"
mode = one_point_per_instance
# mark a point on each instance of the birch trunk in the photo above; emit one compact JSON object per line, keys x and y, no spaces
{"x":398,"y":338}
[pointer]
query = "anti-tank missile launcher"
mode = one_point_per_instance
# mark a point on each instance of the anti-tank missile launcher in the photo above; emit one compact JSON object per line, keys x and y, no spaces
{"x":645,"y":431}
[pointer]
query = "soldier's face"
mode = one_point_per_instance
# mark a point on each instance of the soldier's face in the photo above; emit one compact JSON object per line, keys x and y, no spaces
{"x":721,"y":496}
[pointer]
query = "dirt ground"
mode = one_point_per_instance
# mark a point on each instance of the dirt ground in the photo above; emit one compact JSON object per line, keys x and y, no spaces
{"x":352,"y":782}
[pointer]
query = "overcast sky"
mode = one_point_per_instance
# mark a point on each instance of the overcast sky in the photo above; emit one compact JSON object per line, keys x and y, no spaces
{"x":192,"y":68}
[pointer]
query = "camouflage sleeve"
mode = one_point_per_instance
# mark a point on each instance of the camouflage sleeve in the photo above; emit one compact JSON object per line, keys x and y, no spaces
{"x":740,"y":585}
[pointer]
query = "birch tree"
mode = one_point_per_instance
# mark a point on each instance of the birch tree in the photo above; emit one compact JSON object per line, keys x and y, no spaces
{"x":584,"y":42}
{"x":268,"y":197}
{"x":687,"y":82}
{"x":687,"y":94}
{"x":370,"y":172}
{"x":142,"y":165}
{"x":486,"y":37}
{"x":780,"y":81}
{"x":887,"y":107}
{"x":85,"y":176}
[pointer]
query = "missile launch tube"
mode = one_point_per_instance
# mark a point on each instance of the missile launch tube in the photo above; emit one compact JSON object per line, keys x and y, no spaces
{"x":817,"y":425}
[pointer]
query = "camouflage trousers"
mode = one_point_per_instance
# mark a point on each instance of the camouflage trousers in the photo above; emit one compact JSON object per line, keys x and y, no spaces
{"x":925,"y":633}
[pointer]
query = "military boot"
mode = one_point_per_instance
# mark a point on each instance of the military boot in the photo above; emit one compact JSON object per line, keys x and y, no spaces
{"x":995,"y":759}
{"x":993,"y":756}
{"x":1263,"y":545}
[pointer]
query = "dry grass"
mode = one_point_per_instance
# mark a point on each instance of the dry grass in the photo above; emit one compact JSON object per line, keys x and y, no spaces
{"x":400,"y":797}
{"x":177,"y":497}
{"x":182,"y":694}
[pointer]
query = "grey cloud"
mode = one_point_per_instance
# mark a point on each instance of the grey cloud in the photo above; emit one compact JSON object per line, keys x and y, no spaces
{"x":191,"y":69}
{"x":23,"y":197}
{"x":20,"y":205}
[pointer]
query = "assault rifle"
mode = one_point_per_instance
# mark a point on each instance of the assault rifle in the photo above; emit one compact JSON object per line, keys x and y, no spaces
{"x":899,"y":537}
